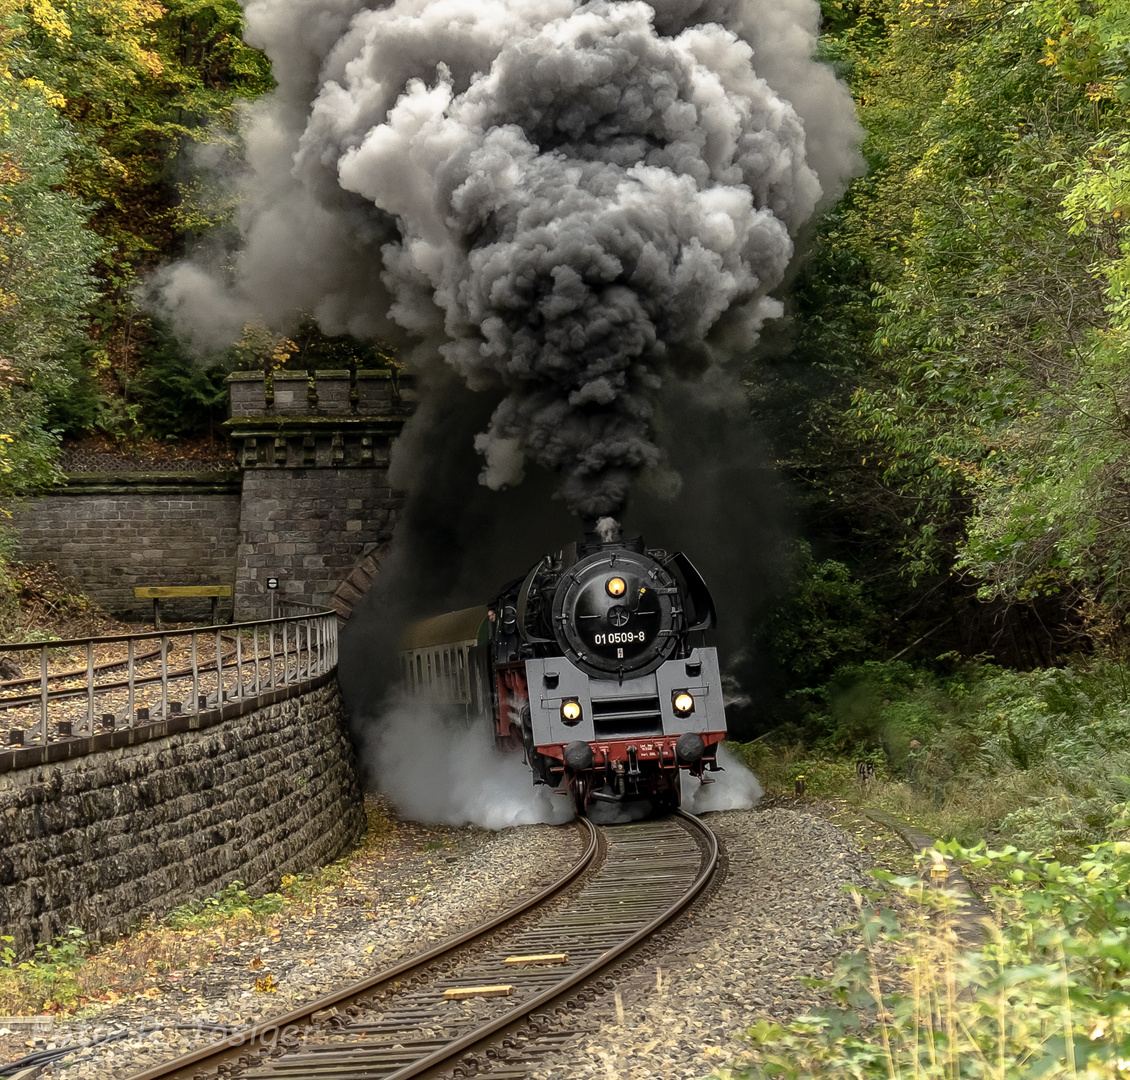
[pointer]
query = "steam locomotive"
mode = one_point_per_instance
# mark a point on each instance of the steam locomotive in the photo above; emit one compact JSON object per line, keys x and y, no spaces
{"x":589,"y":667}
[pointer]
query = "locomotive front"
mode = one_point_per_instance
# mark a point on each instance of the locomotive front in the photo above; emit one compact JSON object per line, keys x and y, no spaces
{"x":598,"y":670}
{"x":594,"y":666}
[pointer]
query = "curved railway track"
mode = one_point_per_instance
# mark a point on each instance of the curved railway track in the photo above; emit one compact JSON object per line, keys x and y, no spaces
{"x":67,"y":693}
{"x":76,"y":672}
{"x":488,"y":994}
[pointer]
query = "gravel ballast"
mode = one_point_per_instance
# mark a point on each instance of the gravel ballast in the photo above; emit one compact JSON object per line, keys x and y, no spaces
{"x":740,"y":956}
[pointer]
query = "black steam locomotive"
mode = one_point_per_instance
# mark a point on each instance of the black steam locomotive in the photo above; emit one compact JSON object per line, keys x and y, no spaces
{"x":588,"y":665}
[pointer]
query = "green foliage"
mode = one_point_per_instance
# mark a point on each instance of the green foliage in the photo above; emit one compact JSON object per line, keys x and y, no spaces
{"x":992,"y":225}
{"x":314,"y":349}
{"x":1065,"y":825}
{"x":137,"y":78}
{"x":825,"y":622}
{"x":1088,"y":44}
{"x":1033,"y":758}
{"x":1048,"y":994}
{"x":98,"y":98}
{"x":231,"y":903}
{"x":49,"y":977}
{"x":179,"y":395}
{"x":46,"y":284}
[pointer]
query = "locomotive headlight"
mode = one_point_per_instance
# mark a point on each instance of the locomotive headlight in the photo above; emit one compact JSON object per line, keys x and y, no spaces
{"x":616,"y":586}
{"x":571,"y":711}
{"x":683,"y":703}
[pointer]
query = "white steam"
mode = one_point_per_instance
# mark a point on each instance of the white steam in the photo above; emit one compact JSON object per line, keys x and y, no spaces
{"x":435,"y":769}
{"x":734,"y":788}
{"x":449,"y":771}
{"x":564,"y":202}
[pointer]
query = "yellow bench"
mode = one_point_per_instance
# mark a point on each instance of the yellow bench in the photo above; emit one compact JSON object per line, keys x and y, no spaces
{"x":157,"y":593}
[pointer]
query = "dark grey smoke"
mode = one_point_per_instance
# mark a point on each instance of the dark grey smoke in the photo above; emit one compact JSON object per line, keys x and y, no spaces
{"x":565,"y":203}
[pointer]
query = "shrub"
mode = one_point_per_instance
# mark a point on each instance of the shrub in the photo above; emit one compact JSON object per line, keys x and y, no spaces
{"x":1063,"y":825}
{"x":231,"y":904}
{"x":1047,"y":995}
{"x":47,"y":980}
{"x":826,"y":622}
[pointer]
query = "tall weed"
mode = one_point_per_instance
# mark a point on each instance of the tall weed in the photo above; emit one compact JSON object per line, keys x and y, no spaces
{"x":1047,"y":994}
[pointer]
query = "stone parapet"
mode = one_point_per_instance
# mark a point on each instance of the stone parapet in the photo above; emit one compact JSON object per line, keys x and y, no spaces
{"x":104,"y":839}
{"x":289,"y":395}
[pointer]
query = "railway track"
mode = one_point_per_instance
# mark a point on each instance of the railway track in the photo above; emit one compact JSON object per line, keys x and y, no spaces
{"x":65,"y":693}
{"x":214,"y":663}
{"x":484,"y":1001}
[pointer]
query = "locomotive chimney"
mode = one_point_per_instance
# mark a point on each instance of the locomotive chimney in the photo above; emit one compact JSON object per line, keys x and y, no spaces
{"x":601,"y":531}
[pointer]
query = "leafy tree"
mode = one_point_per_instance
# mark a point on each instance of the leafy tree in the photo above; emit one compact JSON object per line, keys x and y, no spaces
{"x":138,"y":78}
{"x":46,"y":283}
{"x":178,"y":394}
{"x":987,"y":393}
{"x":826,"y":622}
{"x":134,"y":81}
{"x":1052,"y":510}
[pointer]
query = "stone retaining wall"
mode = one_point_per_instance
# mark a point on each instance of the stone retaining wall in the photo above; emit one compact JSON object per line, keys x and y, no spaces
{"x":103,"y":839}
{"x":309,"y":503}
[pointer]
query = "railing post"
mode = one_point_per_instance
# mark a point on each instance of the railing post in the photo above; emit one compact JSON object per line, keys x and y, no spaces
{"x":43,"y":693}
{"x":131,"y":675}
{"x":195,"y":673}
{"x":164,"y":677}
{"x":314,"y":647}
{"x":219,"y":672}
{"x":89,"y":688}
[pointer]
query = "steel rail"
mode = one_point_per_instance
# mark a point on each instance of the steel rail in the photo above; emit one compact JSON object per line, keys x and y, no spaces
{"x":75,"y":673}
{"x":445,"y":1056}
{"x":221,"y":1055}
{"x":653,"y":870}
{"x":121,"y":684}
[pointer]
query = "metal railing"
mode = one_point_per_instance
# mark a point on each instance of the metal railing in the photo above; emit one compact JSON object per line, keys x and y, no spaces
{"x":152,"y":676}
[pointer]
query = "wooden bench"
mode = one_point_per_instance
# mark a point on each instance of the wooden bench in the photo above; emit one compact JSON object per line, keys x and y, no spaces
{"x":157,"y":593}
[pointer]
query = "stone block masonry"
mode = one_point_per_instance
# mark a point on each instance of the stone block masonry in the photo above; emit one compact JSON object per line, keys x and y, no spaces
{"x":316,"y":501}
{"x":308,"y":528}
{"x":111,"y":534}
{"x":102,"y":839}
{"x":309,"y":504}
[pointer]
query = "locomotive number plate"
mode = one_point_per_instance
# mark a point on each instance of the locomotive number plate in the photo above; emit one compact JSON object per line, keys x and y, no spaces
{"x":619,"y":638}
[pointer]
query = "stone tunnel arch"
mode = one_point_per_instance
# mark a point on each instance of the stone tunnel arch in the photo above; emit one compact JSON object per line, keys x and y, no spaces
{"x":348,"y":594}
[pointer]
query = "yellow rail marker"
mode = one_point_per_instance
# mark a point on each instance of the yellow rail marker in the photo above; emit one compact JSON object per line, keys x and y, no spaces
{"x":478,"y":991}
{"x":539,"y":958}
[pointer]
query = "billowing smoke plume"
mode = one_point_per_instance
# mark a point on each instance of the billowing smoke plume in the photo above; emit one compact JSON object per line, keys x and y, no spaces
{"x":566,"y":203}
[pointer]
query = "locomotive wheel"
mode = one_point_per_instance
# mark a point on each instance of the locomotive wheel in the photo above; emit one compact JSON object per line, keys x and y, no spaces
{"x":579,"y":787}
{"x":669,"y":800}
